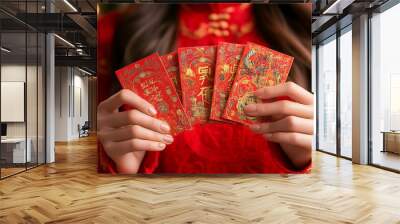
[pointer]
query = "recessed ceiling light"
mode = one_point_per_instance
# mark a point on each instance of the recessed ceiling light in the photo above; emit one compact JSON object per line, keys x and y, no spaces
{"x":64,"y":40}
{"x":70,"y":5}
{"x":337,"y":7}
{"x":84,"y":71}
{"x":5,"y":50}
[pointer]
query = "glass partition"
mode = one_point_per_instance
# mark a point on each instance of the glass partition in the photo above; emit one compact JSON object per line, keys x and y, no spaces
{"x":31,"y":99}
{"x":326,"y":92}
{"x":15,"y":150}
{"x":385,"y":89}
{"x":346,"y":92}
{"x":22,"y":64}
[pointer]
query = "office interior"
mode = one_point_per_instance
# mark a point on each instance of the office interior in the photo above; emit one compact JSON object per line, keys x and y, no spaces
{"x":48,"y":91}
{"x":48,"y":81}
{"x":356,"y":81}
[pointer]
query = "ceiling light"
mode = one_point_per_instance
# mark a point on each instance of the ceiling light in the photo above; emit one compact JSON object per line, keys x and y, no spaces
{"x":84,"y":71}
{"x":64,"y":40}
{"x":328,"y":10}
{"x":5,"y":50}
{"x":70,"y":5}
{"x":337,"y":7}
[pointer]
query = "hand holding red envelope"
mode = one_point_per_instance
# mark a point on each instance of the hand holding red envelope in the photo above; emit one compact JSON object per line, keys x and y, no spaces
{"x":197,"y":84}
{"x":259,"y":67}
{"x":149,"y":79}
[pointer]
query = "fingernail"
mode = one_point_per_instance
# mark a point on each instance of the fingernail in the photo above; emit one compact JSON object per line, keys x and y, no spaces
{"x":250,"y":108}
{"x":161,"y":145}
{"x":255,"y":127}
{"x":164,"y":127}
{"x":168,"y":139}
{"x":152,"y":111}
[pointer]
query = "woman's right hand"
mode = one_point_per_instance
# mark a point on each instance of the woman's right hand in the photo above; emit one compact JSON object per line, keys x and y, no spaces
{"x":127,"y":135}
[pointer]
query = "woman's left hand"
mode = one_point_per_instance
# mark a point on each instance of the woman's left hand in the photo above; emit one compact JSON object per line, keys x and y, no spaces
{"x":291,"y":121}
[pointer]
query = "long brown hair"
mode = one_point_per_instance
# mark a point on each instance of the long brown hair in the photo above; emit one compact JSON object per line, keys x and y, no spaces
{"x":153,"y":27}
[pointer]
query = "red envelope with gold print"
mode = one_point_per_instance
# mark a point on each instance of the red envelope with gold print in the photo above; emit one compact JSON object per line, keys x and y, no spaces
{"x":196,"y":66}
{"x":258,"y":67}
{"x":171,"y":64}
{"x":228,"y":58}
{"x":149,"y":79}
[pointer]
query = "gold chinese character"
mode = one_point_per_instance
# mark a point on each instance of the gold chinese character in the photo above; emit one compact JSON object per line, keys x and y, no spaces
{"x":204,"y":72}
{"x":205,"y":94}
{"x":189,"y":72}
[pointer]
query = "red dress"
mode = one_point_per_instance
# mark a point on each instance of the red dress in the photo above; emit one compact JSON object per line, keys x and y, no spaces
{"x":212,"y":147}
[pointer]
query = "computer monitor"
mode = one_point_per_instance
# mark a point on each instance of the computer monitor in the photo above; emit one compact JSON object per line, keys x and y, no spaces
{"x":3,"y":129}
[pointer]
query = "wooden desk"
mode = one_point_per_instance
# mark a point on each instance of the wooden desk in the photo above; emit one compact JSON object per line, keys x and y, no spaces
{"x":391,"y":141}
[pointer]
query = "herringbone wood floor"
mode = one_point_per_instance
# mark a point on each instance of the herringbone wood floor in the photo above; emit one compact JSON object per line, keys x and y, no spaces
{"x":70,"y":191}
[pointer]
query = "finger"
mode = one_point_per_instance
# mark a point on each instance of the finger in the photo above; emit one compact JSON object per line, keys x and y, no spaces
{"x":134,"y":117}
{"x":134,"y":131}
{"x":290,"y":138}
{"x":287,"y":124}
{"x":290,"y":89}
{"x":134,"y":145}
{"x":126,"y":97}
{"x":280,"y":107}
{"x":300,"y":157}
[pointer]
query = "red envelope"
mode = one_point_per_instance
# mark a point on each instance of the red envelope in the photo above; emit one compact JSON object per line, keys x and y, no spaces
{"x":149,"y":79}
{"x":258,"y":67}
{"x":228,"y":57}
{"x":171,"y":64}
{"x":196,"y":66}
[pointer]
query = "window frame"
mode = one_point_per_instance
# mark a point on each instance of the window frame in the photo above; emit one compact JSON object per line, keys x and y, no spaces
{"x":336,"y":35}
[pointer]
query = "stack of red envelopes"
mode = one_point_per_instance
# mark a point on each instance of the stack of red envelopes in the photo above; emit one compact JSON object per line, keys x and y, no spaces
{"x":198,"y":84}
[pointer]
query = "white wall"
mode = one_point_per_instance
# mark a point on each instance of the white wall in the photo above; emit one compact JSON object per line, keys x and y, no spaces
{"x":80,"y":84}
{"x":61,"y":104}
{"x":13,"y":73}
{"x":70,"y":83}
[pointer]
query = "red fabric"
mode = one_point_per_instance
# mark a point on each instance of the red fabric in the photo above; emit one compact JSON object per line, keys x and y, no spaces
{"x":218,"y":148}
{"x":194,"y":23}
{"x":212,"y":147}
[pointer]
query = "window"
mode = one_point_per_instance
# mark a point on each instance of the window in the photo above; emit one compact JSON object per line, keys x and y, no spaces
{"x":346,"y":92}
{"x":326,"y":91}
{"x":385,"y":89}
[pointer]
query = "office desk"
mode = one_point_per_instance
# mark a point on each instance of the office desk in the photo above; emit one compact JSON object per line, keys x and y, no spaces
{"x":391,"y":141}
{"x":13,"y":150}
